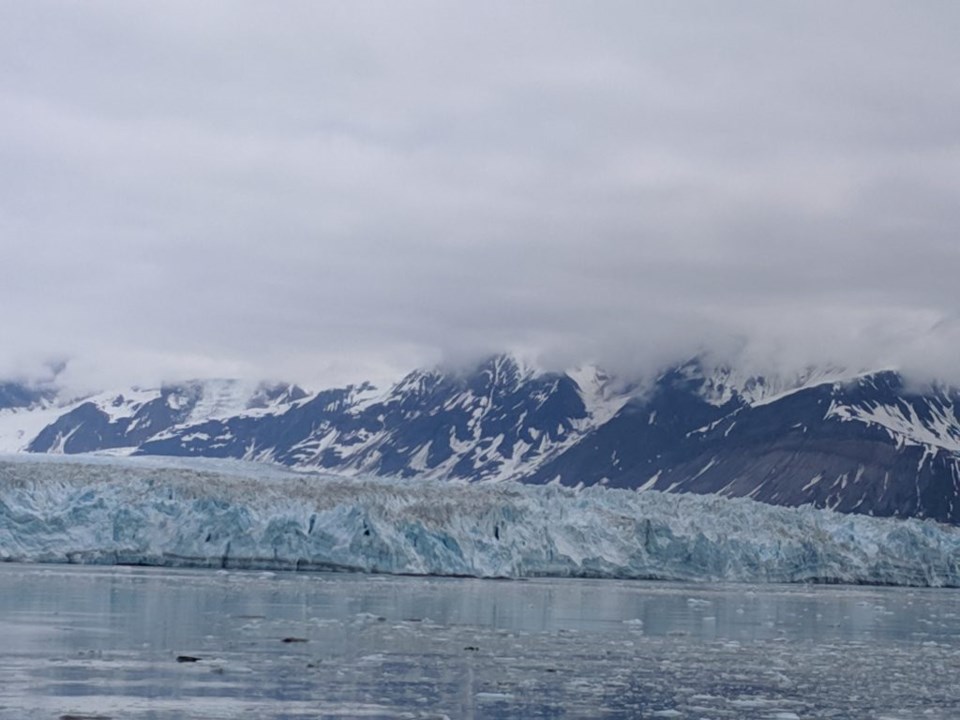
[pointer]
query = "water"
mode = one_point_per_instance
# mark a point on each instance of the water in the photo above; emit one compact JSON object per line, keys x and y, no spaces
{"x":104,"y":642}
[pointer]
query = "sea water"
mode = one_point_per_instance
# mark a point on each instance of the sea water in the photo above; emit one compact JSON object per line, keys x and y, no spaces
{"x":98,"y":642}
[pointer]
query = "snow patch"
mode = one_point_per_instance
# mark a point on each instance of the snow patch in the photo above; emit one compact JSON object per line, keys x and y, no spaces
{"x":600,"y":398}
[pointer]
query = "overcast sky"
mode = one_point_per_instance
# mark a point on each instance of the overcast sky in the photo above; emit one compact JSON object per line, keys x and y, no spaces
{"x":327,"y":191}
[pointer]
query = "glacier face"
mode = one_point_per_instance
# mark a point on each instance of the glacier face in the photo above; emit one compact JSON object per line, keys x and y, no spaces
{"x":242,"y":515}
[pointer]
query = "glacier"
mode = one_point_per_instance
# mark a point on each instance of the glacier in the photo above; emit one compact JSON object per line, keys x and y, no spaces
{"x":231,"y":514}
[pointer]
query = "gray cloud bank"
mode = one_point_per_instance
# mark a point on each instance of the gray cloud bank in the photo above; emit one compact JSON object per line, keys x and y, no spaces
{"x":324,"y":191}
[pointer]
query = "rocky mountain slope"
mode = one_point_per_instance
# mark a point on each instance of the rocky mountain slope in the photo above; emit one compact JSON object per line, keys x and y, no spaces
{"x":865,"y":443}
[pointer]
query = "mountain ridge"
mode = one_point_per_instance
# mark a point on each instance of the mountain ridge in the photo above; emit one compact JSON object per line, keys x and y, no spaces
{"x":863,"y":442}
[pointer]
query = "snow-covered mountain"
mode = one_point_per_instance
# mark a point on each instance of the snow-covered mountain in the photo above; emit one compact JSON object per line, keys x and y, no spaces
{"x":500,"y":420}
{"x":37,"y":422}
{"x":866,"y":444}
{"x":863,"y":442}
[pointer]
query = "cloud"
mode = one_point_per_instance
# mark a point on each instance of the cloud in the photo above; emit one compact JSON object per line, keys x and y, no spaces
{"x":320,"y":191}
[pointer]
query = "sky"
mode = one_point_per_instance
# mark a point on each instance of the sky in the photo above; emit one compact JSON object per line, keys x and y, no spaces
{"x":330,"y":191}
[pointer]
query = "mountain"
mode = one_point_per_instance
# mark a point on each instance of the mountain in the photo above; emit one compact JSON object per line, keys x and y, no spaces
{"x":499,"y":420}
{"x":855,"y":442}
{"x":867,"y":444}
{"x":40,"y":422}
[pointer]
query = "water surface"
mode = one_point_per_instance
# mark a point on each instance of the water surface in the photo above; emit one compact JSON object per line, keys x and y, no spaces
{"x":160,"y":643}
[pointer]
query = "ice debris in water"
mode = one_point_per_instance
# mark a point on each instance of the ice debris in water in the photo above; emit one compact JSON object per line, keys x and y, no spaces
{"x":242,"y":515}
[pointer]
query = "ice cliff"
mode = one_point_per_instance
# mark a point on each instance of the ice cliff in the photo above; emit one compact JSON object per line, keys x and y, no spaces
{"x":235,"y":515}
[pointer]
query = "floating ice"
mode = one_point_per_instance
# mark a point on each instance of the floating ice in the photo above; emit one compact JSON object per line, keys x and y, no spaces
{"x":242,"y":515}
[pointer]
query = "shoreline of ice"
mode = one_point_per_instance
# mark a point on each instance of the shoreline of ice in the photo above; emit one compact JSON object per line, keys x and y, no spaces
{"x":241,"y":515}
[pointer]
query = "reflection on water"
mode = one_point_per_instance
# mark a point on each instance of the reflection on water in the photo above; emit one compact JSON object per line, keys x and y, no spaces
{"x":120,"y":643}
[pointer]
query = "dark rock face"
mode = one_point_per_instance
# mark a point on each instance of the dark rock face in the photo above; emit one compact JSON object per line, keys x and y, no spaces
{"x":20,"y":395}
{"x":869,"y":444}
